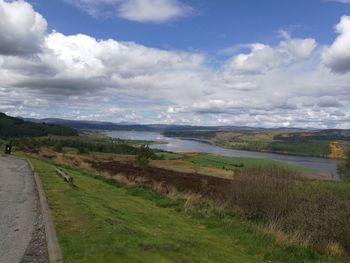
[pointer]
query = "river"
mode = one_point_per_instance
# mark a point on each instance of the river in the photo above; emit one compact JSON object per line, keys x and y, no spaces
{"x":180,"y":145}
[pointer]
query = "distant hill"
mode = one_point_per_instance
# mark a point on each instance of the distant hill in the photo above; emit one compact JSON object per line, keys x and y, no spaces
{"x":93,"y":125}
{"x":16,"y":127}
{"x":96,"y":125}
{"x":203,"y":132}
{"x":330,"y":134}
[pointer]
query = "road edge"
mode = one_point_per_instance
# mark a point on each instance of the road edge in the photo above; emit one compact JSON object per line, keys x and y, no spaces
{"x":54,"y":250}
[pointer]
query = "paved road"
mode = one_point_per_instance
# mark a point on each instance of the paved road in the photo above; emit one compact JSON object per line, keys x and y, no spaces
{"x":18,"y":209}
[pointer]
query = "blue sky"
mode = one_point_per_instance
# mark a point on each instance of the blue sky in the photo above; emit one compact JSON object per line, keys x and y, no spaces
{"x":211,"y":26}
{"x":200,"y":62}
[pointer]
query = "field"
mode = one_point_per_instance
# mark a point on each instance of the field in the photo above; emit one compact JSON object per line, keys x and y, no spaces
{"x":106,"y":221}
{"x":320,"y":148}
{"x":238,"y":162}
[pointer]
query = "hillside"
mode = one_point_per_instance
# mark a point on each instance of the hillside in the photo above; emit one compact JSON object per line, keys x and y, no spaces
{"x":104,"y":220}
{"x":15,"y":127}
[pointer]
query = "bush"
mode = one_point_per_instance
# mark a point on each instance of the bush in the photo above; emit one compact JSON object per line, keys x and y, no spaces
{"x":322,"y":217}
{"x":264,"y":193}
{"x":318,"y":212}
{"x":82,"y":150}
{"x":58,"y":147}
{"x":144,"y":155}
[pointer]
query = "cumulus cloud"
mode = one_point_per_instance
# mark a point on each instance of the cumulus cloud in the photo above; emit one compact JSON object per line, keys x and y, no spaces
{"x":81,"y":77}
{"x":22,"y":29}
{"x":135,"y":10}
{"x":263,"y":57}
{"x":337,"y":56}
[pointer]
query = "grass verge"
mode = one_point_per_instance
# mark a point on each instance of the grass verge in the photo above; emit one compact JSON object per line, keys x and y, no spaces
{"x":105,"y":221}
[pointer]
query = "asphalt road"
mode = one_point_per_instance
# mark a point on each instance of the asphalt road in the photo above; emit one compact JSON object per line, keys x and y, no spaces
{"x":18,"y":209}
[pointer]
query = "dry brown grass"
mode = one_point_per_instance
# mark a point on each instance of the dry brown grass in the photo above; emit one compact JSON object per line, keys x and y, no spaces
{"x":188,"y":167}
{"x":294,"y":210}
{"x":335,"y":249}
{"x":191,"y":200}
{"x":263,"y":193}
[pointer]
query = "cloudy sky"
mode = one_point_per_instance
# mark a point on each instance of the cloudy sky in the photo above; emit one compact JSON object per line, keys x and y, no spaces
{"x":269,"y":63}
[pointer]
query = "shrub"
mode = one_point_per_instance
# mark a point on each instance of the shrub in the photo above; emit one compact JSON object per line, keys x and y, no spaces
{"x":322,"y":217}
{"x":318,"y":212}
{"x":58,"y":147}
{"x":82,"y":150}
{"x":264,"y":193}
{"x":144,"y":154}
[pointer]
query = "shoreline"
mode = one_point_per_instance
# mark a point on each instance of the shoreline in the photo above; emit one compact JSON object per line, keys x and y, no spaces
{"x":262,"y":151}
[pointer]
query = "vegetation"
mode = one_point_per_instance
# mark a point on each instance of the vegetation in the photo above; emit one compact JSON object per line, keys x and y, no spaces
{"x":232,"y":163}
{"x":259,"y":194}
{"x":81,"y":143}
{"x":106,"y":221}
{"x":344,"y":168}
{"x":320,"y":148}
{"x":317,"y":212}
{"x":15,"y":127}
{"x":144,"y":155}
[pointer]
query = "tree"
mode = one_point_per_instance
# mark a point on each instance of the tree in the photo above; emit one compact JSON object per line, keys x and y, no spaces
{"x":82,"y":150}
{"x":343,"y":169}
{"x":144,"y":155}
{"x":58,"y":147}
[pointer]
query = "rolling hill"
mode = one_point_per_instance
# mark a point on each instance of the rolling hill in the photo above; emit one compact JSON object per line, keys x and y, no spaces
{"x":16,"y":127}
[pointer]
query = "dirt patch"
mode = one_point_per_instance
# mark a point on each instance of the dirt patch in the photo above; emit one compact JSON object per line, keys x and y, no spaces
{"x":112,"y":222}
{"x":147,"y":247}
{"x":208,"y":186}
{"x":170,"y":247}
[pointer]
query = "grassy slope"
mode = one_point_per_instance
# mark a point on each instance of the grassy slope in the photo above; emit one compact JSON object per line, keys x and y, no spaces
{"x":103,"y":221}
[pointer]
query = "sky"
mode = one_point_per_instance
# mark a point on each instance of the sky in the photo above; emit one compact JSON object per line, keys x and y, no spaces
{"x":271,"y":63}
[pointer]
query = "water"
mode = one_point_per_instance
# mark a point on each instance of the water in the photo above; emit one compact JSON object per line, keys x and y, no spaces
{"x":179,"y":145}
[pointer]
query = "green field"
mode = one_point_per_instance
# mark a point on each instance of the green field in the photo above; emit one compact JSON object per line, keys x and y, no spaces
{"x":319,"y":148}
{"x":226,"y":162}
{"x":229,"y":163}
{"x":105,"y":221}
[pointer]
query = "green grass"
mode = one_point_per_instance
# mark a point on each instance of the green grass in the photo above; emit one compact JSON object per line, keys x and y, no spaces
{"x":169,"y":155}
{"x":97,"y":136}
{"x":104,"y":221}
{"x":234,"y":162}
{"x":319,"y":148}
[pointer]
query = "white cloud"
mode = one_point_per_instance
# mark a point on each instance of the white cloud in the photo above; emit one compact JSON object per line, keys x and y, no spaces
{"x":263,"y":57}
{"x":152,"y":10}
{"x":339,"y":1}
{"x":156,"y":11}
{"x":337,"y":56}
{"x":80,"y":77}
{"x":22,"y":29}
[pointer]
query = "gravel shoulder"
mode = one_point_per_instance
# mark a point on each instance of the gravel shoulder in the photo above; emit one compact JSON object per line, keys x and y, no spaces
{"x":22,"y":235}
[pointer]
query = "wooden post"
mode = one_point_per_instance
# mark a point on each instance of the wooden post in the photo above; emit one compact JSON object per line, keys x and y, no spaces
{"x":68,"y":179}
